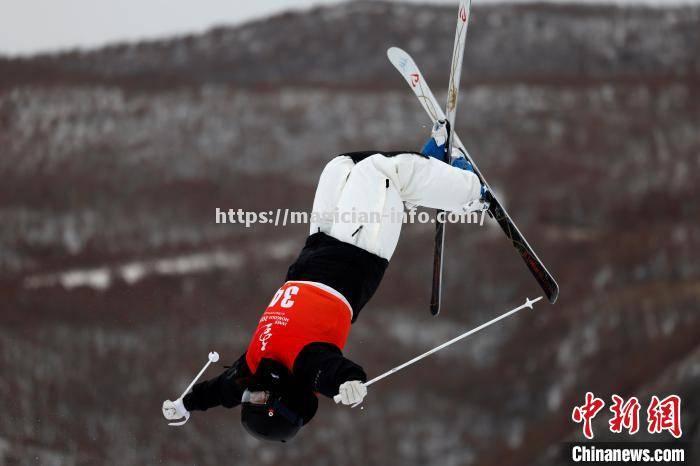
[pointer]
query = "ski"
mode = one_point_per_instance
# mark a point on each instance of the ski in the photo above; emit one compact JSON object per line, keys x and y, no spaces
{"x":403,"y":62}
{"x":451,"y":113}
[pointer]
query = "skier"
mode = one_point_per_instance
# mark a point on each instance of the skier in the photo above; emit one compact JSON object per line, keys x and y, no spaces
{"x":295,"y":351}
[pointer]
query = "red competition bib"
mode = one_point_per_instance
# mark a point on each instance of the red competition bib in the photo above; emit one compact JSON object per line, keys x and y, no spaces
{"x":300,"y":313}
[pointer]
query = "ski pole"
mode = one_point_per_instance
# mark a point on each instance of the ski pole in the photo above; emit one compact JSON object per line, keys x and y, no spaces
{"x":528,"y":303}
{"x":213,"y":357}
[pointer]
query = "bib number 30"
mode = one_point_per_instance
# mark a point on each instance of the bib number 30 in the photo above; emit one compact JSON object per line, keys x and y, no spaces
{"x":286,"y":295}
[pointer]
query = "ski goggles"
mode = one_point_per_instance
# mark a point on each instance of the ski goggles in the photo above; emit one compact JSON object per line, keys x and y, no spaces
{"x":256,"y":398}
{"x":273,"y":404}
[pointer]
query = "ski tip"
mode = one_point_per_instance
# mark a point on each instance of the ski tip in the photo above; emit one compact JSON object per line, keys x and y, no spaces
{"x":434,"y":309}
{"x":553,"y":295}
{"x":394,"y":54}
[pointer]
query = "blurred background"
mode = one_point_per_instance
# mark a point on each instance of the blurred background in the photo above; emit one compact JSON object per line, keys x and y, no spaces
{"x":115,"y":280}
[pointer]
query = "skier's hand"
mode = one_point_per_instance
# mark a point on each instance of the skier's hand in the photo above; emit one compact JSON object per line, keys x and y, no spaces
{"x":173,"y":410}
{"x":351,"y":392}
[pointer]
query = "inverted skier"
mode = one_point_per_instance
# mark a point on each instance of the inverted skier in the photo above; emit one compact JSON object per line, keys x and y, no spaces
{"x":295,"y":351}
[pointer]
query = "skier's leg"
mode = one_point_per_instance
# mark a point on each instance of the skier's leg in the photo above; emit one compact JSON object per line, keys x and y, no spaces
{"x":370,"y":207}
{"x":428,"y":182}
{"x":370,"y":211}
{"x":330,"y":186}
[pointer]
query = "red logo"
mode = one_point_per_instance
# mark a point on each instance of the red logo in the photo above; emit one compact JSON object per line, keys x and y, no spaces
{"x":463,"y":14}
{"x":415,"y":77}
{"x":662,"y":415}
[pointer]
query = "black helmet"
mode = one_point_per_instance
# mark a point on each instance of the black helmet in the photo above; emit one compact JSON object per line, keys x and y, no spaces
{"x":275,"y":406}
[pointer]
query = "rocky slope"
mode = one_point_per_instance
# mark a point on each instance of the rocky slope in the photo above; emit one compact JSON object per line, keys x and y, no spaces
{"x":115,"y":280}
